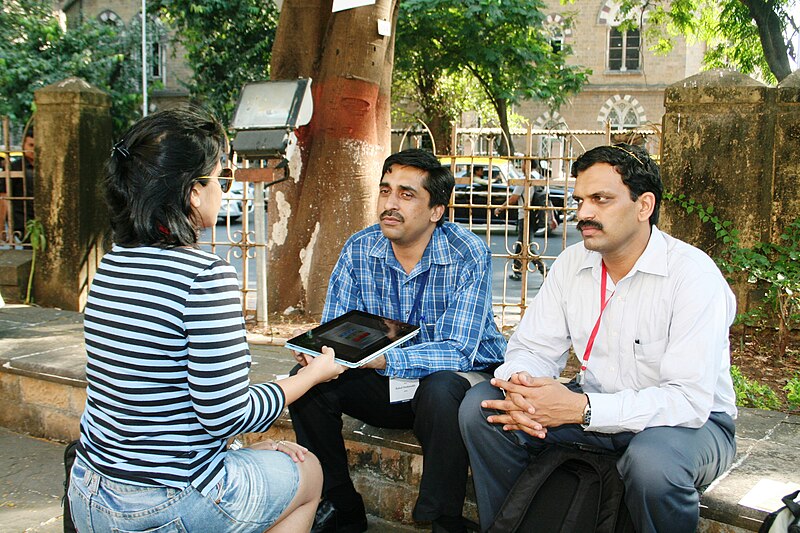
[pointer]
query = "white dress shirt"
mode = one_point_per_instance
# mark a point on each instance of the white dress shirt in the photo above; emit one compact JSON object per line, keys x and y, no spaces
{"x":661,"y":356}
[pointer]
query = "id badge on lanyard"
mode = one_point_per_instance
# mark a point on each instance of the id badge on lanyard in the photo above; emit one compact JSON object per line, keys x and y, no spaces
{"x":403,"y":390}
{"x":581,"y":377}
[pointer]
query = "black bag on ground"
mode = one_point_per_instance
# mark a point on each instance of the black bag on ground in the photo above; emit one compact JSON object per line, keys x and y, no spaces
{"x":69,"y":458}
{"x":786,"y":519}
{"x":567,"y":488}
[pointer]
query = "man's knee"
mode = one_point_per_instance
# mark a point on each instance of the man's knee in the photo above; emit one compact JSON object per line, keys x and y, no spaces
{"x":441,"y":389}
{"x":654,"y":464}
{"x":471,"y":415}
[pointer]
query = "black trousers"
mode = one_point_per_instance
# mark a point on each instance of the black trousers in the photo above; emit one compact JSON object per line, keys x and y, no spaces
{"x":364,"y":394}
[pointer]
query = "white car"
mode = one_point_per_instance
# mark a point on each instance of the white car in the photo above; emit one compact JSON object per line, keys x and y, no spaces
{"x":232,"y":201}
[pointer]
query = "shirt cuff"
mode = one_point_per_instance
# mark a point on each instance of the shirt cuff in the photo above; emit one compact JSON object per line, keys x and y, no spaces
{"x":396,"y":362}
{"x":605,"y":418}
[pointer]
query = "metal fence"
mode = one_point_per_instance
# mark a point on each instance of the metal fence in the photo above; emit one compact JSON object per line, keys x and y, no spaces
{"x":16,"y":191}
{"x":527,"y":235}
{"x":240,"y":237}
{"x":519,"y":259}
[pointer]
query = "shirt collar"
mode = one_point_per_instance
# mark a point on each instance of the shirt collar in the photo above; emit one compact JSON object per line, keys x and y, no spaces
{"x":652,"y":261}
{"x":437,"y":252}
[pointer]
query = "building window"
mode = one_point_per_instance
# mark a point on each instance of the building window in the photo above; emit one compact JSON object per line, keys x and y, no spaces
{"x":557,"y":42}
{"x":156,"y":47}
{"x":156,"y":61}
{"x":623,"y":49}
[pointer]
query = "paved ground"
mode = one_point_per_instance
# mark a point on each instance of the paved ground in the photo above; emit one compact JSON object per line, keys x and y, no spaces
{"x":31,"y":484}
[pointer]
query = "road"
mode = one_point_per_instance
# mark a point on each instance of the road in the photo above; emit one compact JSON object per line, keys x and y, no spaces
{"x":501,"y":243}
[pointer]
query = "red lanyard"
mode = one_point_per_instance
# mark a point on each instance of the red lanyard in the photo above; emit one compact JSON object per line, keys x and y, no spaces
{"x":603,"y":303}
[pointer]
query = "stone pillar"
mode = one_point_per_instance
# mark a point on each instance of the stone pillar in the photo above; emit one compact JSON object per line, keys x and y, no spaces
{"x":718,"y":134}
{"x":73,"y":140}
{"x":786,"y":178}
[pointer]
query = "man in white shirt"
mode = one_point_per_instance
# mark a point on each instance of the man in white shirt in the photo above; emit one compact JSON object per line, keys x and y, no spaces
{"x":648,"y":317}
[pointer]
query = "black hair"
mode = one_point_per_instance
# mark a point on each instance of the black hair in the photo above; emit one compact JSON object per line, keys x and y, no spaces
{"x":151,"y":172}
{"x":639,"y":173}
{"x":438,"y":181}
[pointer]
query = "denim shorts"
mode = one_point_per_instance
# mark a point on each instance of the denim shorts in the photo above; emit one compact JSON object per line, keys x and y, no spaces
{"x":256,"y":488}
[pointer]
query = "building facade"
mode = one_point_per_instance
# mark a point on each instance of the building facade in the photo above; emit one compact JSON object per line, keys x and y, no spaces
{"x":626,"y":87}
{"x":166,"y":67}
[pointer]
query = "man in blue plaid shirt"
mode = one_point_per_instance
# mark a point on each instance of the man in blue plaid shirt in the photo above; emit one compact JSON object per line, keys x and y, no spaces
{"x":411,"y":266}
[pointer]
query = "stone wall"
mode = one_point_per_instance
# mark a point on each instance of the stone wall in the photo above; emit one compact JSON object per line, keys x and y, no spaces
{"x":731,"y":142}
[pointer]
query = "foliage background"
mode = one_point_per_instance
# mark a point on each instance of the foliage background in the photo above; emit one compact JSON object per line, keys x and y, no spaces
{"x":36,"y":50}
{"x":228,"y":43}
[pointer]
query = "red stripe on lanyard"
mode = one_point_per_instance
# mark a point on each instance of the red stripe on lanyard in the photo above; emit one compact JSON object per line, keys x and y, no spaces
{"x":603,"y":303}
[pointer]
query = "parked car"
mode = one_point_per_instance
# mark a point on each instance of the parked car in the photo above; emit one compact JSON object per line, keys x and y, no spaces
{"x":472,"y":192}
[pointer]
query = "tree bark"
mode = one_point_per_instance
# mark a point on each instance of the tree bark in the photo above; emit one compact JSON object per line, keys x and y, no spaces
{"x":504,"y":148}
{"x":334,"y":178}
{"x":771,"y":36}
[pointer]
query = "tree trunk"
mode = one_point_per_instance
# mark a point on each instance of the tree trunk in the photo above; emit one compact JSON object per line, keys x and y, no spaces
{"x":505,"y":143}
{"x":442,"y":131}
{"x":333,"y":181}
{"x":771,"y":35}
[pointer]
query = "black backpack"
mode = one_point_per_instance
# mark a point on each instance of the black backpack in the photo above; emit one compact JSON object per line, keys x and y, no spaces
{"x":567,"y":488}
{"x":69,"y":458}
{"x":786,"y":519}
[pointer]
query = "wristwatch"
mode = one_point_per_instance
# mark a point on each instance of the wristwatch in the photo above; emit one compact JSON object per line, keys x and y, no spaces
{"x":587,"y":413}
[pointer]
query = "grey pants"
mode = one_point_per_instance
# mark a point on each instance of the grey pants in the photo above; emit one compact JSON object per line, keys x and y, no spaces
{"x":662,"y":467}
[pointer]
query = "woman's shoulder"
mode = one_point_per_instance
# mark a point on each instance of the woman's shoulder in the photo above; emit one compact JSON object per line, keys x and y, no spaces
{"x":184,"y":258}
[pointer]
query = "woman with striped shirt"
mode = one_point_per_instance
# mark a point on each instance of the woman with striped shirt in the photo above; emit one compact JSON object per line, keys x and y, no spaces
{"x":168,"y":363}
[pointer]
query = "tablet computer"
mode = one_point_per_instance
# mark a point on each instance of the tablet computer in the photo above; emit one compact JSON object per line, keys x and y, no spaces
{"x":356,"y":337}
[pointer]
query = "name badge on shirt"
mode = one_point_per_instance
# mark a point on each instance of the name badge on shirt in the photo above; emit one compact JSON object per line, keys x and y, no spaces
{"x":402,"y":390}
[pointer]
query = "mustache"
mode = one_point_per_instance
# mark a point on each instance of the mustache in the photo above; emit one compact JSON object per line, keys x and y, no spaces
{"x":588,"y":224}
{"x":393,"y":214}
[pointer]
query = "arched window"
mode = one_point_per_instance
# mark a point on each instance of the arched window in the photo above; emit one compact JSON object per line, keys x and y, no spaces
{"x":622,"y":112}
{"x":111,"y":18}
{"x":557,"y":28}
{"x":624,"y":46}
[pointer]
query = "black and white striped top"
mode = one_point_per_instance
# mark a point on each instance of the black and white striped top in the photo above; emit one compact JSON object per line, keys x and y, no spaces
{"x":167,"y":368}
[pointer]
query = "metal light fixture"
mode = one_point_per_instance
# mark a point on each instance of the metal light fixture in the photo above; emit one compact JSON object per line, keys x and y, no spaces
{"x":266,"y":116}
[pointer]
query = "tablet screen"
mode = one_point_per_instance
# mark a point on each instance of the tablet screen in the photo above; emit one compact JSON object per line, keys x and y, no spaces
{"x":355,"y":336}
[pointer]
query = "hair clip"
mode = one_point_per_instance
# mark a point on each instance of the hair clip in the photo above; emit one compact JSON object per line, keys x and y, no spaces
{"x":627,"y":152}
{"x":120,"y":149}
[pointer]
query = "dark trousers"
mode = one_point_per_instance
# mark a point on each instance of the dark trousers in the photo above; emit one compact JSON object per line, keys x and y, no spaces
{"x":662,"y":467}
{"x":364,"y":394}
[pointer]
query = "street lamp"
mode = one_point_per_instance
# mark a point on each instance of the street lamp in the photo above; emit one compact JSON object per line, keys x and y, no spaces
{"x":265,"y":119}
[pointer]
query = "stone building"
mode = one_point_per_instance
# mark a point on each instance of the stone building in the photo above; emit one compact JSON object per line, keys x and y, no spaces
{"x":626,"y":87}
{"x":166,"y":66}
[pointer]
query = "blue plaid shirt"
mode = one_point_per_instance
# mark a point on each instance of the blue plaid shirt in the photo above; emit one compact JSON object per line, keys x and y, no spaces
{"x":457,"y":328}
